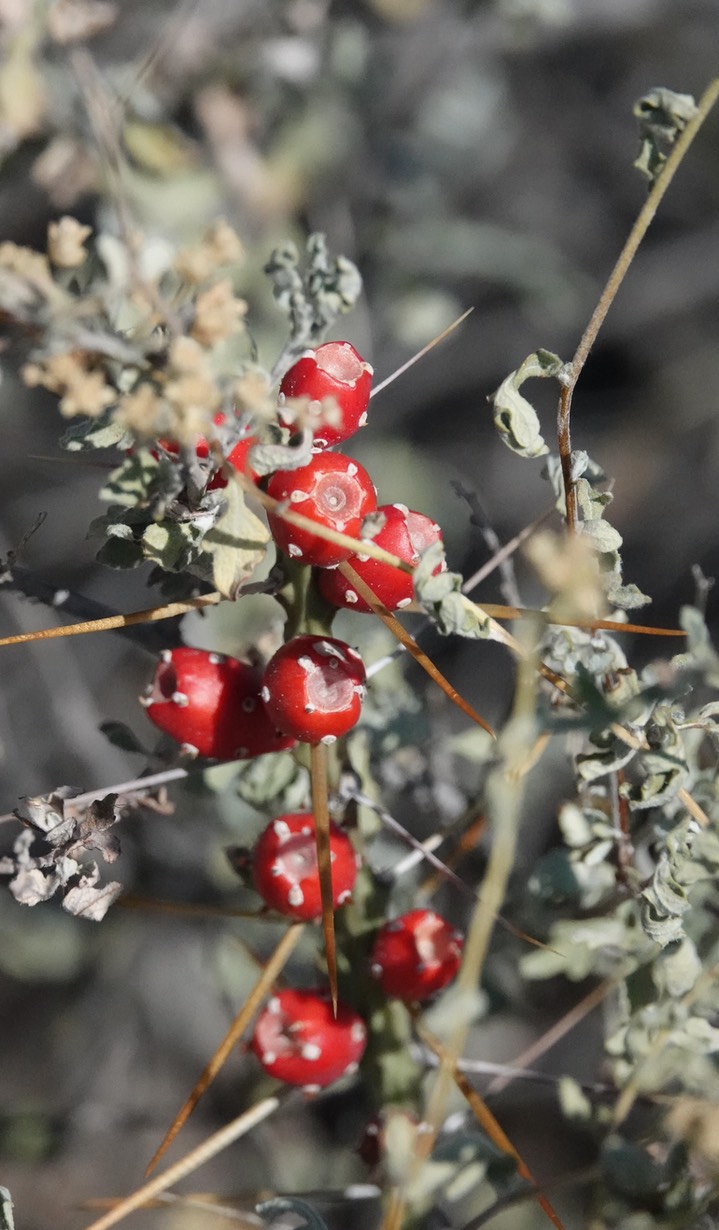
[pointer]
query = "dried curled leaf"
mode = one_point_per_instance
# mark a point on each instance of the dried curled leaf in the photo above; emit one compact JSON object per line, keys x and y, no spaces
{"x":515,"y":418}
{"x":593,"y":500}
{"x":47,"y":853}
{"x":662,"y":115}
{"x":312,"y":298}
{"x":267,"y":457}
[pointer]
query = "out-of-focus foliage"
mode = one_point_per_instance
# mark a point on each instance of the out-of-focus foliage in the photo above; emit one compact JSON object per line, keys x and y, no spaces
{"x":456,"y":153}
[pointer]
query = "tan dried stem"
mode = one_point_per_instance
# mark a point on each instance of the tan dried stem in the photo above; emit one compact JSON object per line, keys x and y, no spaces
{"x":110,"y":622}
{"x":258,"y":993}
{"x":489,"y":1123}
{"x":320,"y":810}
{"x":190,"y":1162}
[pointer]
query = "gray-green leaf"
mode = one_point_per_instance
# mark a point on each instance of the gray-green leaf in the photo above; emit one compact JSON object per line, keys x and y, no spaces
{"x":515,"y":418}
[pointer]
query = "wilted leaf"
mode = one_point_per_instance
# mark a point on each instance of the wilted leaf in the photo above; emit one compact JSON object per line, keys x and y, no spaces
{"x":266,"y":458}
{"x":662,"y":116}
{"x":515,"y":418}
{"x":86,"y":901}
{"x":312,"y":298}
{"x":45,"y":852}
{"x":237,"y":543}
{"x":30,"y":886}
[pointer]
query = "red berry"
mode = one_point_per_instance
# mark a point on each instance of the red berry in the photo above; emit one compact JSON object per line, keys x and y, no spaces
{"x":237,"y":457}
{"x":416,"y":955}
{"x":212,"y":705}
{"x":334,"y":491}
{"x":284,"y":866}
{"x":405,"y":534}
{"x":299,"y":1041}
{"x":313,"y":688}
{"x":332,"y":370}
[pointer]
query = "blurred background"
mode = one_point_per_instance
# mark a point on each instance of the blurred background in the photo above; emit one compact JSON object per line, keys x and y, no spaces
{"x":462,"y":153}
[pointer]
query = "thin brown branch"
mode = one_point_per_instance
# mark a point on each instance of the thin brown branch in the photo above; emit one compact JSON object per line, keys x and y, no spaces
{"x":489,"y":1123}
{"x":616,"y":277}
{"x":110,"y":622}
{"x":190,"y":1162}
{"x":404,"y":638}
{"x":261,"y":988}
{"x":319,"y":788}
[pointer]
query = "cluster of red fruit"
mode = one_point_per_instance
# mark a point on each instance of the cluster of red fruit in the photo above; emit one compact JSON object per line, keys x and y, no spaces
{"x":311,"y":691}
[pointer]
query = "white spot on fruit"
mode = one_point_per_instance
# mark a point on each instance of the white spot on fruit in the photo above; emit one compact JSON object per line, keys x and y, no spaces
{"x":265,"y":693}
{"x":295,"y":896}
{"x":328,"y":650}
{"x":328,"y":740}
{"x":311,"y":1051}
{"x":294,"y":550}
